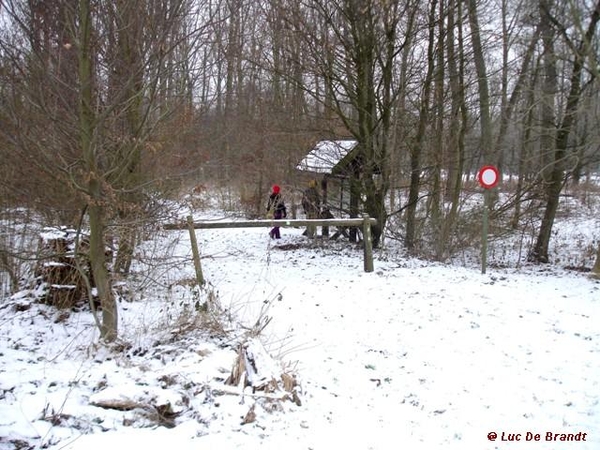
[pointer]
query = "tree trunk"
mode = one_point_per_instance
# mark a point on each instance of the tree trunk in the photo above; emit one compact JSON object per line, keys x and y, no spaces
{"x":557,"y":176}
{"x":440,"y":147}
{"x":128,"y":85}
{"x":417,"y":147}
{"x":526,"y":152}
{"x":482,"y":83}
{"x":458,"y":119}
{"x":413,"y":194}
{"x":97,"y":255}
{"x":508,"y":107}
{"x":401,"y":113}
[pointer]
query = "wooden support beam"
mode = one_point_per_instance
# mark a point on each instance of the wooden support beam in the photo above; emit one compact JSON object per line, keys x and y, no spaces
{"x":195,"y":251}
{"x":367,"y":244}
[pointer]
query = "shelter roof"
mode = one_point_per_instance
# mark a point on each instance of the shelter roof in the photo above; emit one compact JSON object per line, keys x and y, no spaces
{"x":327,"y":155}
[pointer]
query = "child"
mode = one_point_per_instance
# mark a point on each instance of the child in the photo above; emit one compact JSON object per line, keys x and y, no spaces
{"x":276,"y":206}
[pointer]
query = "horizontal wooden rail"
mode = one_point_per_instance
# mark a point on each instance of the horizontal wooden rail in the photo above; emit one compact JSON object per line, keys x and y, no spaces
{"x":356,"y":222}
{"x":364,"y":222}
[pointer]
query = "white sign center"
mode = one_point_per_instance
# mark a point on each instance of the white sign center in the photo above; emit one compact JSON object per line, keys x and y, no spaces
{"x":488,"y":176}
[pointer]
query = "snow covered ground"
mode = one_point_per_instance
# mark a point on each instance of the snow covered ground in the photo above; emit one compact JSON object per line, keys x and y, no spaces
{"x":415,"y":355}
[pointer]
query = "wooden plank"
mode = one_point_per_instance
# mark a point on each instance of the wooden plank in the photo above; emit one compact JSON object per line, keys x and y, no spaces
{"x":271,"y":223}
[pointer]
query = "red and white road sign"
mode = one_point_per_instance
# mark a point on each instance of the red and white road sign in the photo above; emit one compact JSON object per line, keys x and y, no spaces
{"x":488,"y":177}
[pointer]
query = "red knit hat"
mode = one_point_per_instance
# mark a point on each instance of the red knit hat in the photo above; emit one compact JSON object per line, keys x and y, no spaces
{"x":276,"y":189}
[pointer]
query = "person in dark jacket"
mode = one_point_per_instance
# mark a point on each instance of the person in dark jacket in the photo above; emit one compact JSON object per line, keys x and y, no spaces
{"x":277,"y":208}
{"x":311,"y":204}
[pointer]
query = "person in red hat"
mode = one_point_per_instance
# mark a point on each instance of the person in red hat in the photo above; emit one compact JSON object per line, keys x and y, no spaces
{"x":276,"y":206}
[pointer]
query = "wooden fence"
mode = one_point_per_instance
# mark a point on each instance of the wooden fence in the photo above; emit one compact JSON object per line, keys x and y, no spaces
{"x":364,"y":222}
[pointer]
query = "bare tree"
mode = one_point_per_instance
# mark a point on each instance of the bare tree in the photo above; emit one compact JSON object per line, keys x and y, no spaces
{"x":94,"y":90}
{"x":556,"y":179}
{"x":485,"y":120}
{"x":93,"y":175}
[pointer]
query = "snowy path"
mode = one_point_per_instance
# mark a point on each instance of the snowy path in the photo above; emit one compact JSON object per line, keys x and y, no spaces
{"x":436,"y":357}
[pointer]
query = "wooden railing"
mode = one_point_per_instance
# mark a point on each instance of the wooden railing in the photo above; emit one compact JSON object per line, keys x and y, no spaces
{"x":365,"y":223}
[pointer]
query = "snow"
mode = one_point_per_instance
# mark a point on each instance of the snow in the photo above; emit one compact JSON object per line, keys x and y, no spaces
{"x":415,"y":355}
{"x":261,"y":368}
{"x":50,"y":233}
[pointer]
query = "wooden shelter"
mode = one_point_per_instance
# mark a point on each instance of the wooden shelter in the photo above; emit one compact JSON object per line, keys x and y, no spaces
{"x":336,"y":161}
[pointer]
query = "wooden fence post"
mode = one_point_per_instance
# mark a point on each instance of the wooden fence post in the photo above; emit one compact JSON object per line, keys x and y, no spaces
{"x":368,"y":244}
{"x":195,"y":252}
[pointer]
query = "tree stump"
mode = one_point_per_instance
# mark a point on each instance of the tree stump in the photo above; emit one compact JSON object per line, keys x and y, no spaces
{"x":63,"y":271}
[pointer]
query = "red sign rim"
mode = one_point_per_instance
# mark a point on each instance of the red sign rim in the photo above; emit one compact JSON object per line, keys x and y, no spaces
{"x":486,"y":169}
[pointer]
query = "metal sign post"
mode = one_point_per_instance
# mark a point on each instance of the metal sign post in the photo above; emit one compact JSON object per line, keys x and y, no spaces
{"x":488,"y":177}
{"x":484,"y":230}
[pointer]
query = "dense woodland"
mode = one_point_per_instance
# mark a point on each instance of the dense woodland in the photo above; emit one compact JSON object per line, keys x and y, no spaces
{"x":109,"y":106}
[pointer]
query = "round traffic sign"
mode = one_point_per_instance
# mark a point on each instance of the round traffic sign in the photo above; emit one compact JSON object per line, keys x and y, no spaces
{"x":488,"y":177}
